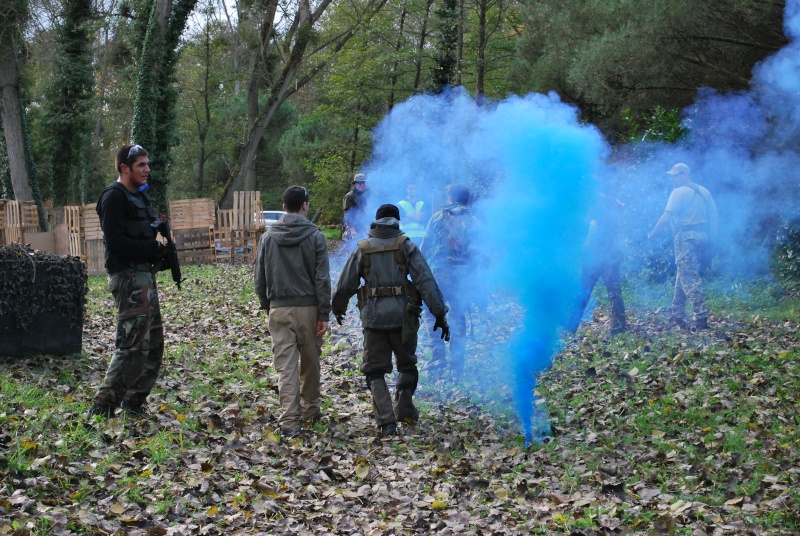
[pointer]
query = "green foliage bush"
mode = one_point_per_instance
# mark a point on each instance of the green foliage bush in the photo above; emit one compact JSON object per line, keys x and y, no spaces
{"x":786,"y":260}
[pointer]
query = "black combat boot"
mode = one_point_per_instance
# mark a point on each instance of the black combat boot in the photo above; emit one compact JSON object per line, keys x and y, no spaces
{"x":381,"y":400}
{"x":404,"y":409}
{"x":388,"y":429}
{"x":679,"y":321}
{"x":701,"y":323}
{"x":101,"y":409}
{"x":135,"y":409}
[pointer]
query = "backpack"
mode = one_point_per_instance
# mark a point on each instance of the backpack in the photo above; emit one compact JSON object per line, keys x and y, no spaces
{"x":457,"y":226}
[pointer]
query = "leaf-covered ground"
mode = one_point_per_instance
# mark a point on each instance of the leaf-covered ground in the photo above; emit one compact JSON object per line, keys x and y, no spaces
{"x":655,"y":431}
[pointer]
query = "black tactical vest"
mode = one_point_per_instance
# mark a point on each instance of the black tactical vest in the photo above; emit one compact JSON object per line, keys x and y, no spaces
{"x":139,"y":215}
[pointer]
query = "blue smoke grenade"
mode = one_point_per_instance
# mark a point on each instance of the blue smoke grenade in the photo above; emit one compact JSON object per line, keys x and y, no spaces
{"x":532,"y":167}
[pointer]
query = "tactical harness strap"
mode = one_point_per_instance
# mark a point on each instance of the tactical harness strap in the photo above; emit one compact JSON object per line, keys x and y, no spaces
{"x":396,"y":246}
{"x":366,"y":264}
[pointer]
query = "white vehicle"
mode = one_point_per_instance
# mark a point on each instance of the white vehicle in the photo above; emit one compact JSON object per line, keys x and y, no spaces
{"x":268,"y":217}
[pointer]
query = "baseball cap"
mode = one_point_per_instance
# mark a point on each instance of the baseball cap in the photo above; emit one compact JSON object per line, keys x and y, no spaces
{"x":360,"y":177}
{"x":679,"y":168}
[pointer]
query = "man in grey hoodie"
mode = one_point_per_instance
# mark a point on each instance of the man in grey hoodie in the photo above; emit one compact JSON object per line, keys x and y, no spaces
{"x":292,"y":282}
{"x":390,"y":310}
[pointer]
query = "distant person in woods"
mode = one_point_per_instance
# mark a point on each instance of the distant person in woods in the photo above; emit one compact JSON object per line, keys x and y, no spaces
{"x":133,"y":256}
{"x":447,"y":246}
{"x":693,"y":215}
{"x":390,"y":306}
{"x":602,"y":257}
{"x":292,"y":281}
{"x":353,"y":205}
{"x":414,"y":215}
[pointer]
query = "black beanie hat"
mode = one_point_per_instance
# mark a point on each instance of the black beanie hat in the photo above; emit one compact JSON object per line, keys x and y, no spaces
{"x":388,"y":211}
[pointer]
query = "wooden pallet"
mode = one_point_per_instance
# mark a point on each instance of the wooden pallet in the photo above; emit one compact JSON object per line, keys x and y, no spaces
{"x":16,"y":219}
{"x":91,"y":222}
{"x":95,"y":257}
{"x":72,"y":218}
{"x":192,"y":213}
{"x":195,"y":246}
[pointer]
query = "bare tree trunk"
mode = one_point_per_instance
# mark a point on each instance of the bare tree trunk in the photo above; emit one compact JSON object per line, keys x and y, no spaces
{"x":480,"y":64}
{"x":397,"y":46}
{"x":203,"y":127}
{"x":293,"y":52}
{"x":11,"y":110}
{"x":460,"y":47}
{"x":423,"y":34}
{"x":353,"y":152}
{"x":269,"y":8}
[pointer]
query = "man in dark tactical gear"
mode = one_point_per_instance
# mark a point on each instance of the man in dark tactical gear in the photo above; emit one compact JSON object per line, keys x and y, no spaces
{"x":602,"y":257}
{"x":133,"y":256}
{"x":390,"y":307}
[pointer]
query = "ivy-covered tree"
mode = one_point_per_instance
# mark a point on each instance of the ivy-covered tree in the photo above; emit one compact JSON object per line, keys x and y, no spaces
{"x":69,"y":104}
{"x":13,"y":16}
{"x":160,"y":25}
{"x":445,"y":70}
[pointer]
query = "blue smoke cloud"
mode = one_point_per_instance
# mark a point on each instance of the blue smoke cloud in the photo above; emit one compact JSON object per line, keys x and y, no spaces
{"x":535,"y":170}
{"x":532,"y":166}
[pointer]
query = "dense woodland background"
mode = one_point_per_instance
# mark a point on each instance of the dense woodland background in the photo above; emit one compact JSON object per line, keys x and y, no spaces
{"x":260,"y":94}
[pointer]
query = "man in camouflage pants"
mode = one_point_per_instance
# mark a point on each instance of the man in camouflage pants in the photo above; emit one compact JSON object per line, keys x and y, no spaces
{"x":693,"y":215}
{"x":133,"y":256}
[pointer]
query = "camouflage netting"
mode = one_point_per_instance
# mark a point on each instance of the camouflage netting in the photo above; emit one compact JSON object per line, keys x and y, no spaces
{"x":25,"y":293}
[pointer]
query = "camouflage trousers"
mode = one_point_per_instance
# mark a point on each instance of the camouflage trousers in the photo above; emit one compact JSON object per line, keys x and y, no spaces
{"x":134,"y":367}
{"x":688,"y":282}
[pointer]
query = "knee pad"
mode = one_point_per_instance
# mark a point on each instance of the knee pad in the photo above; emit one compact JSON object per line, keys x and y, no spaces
{"x":408,"y":379}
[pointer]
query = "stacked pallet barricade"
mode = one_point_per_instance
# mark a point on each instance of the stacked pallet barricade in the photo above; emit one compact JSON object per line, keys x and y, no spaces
{"x":72,"y":218}
{"x":17,"y":218}
{"x":95,"y":250}
{"x":192,"y":222}
{"x":238,"y":230}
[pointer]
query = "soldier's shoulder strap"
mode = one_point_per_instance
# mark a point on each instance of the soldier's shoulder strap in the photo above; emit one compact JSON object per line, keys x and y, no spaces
{"x":397,"y":246}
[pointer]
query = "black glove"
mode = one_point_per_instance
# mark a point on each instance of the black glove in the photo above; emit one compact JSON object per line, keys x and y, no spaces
{"x":339,"y":319}
{"x":160,"y":252}
{"x":441,"y":322}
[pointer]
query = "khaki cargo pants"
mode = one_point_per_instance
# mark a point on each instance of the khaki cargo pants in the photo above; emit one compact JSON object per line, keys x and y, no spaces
{"x":296,"y":350}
